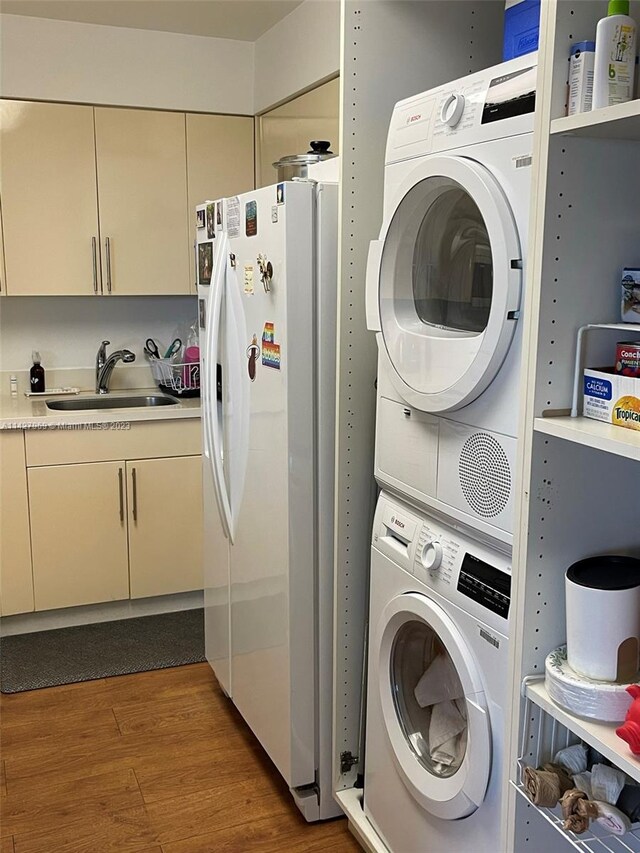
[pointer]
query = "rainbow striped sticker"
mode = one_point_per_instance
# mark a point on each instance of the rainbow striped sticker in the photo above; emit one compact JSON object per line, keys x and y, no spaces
{"x":270,"y":349}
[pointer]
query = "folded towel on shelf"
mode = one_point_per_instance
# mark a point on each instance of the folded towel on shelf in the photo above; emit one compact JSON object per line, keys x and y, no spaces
{"x":541,"y":786}
{"x":587,"y":808}
{"x":574,"y":820}
{"x":582,"y":781}
{"x":447,"y":725}
{"x":573,"y":758}
{"x":438,"y":683}
{"x":607,"y":783}
{"x":546,"y":785}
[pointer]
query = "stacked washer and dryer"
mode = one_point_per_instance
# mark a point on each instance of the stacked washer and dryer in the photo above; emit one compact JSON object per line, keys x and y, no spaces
{"x":444,"y":295}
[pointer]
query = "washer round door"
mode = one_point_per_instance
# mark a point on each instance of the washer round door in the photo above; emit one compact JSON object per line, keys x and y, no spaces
{"x":449,"y":282}
{"x":434,"y":707}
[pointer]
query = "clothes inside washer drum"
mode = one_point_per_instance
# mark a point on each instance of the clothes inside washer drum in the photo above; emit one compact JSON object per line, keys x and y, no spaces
{"x":447,"y":734}
{"x":439,"y":689}
{"x":438,"y":683}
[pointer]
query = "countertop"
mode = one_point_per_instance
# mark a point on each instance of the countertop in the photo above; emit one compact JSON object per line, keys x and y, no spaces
{"x":32,"y":413}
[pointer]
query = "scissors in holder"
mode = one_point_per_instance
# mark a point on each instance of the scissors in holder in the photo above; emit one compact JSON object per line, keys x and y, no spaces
{"x":151,"y":348}
{"x":174,"y":347}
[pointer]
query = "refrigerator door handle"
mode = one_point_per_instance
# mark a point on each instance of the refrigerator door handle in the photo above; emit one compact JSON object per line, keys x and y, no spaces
{"x":212,"y":425}
{"x":237,"y":421}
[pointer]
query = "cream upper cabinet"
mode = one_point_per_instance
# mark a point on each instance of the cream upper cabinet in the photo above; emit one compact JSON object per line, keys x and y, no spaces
{"x":49,"y":204}
{"x":220,"y":162}
{"x":164,"y":498}
{"x":16,"y":581}
{"x":3,"y":284}
{"x":79,"y":534}
{"x":142,"y":192}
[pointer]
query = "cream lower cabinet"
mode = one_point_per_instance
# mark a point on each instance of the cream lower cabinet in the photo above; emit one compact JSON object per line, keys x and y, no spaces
{"x":78,"y":534}
{"x":106,"y":531}
{"x":16,"y":581}
{"x":164,"y":499}
{"x":114,"y":514}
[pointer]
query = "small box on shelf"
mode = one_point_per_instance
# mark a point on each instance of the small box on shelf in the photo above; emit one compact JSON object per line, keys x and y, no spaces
{"x":612,"y":397}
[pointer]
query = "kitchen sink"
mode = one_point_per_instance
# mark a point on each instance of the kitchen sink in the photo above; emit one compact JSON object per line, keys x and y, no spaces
{"x":82,"y":404}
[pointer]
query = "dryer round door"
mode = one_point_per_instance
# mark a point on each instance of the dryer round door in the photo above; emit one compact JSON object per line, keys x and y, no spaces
{"x":449,"y":283}
{"x":434,"y":707}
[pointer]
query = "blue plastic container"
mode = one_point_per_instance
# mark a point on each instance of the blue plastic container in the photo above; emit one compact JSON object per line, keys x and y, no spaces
{"x":521,"y":28}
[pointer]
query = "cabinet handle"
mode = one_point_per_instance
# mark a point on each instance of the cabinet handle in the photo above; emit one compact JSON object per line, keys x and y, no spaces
{"x":134,"y":483}
{"x":107,"y":246}
{"x":94,"y":253}
{"x":121,"y":493}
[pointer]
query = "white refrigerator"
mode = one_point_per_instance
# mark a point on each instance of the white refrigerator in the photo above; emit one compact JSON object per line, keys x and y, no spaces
{"x":267,"y":273}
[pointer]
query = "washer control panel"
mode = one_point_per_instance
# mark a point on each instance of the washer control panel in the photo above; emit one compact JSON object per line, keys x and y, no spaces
{"x":485,"y":584}
{"x":436,"y":556}
{"x":431,"y":555}
{"x":448,"y":560}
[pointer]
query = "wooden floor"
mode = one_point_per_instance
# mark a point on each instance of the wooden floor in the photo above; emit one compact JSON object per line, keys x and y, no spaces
{"x":153,"y":763}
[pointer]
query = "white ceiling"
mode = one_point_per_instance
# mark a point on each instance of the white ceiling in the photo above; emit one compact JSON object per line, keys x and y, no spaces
{"x":246,"y":20}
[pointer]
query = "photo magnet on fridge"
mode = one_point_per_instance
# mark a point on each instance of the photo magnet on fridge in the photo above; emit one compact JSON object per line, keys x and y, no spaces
{"x":211,"y":221}
{"x":205,"y":262}
{"x":219,"y":215}
{"x":270,"y":349}
{"x":251,"y":218}
{"x":200,"y":223}
{"x":280,"y":194}
{"x":253,"y":354}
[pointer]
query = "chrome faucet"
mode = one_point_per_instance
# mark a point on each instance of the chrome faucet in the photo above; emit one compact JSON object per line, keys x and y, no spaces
{"x":105,"y":365}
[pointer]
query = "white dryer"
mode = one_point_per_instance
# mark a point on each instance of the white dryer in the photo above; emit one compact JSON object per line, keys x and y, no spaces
{"x":444,"y":294}
{"x":437,"y":686}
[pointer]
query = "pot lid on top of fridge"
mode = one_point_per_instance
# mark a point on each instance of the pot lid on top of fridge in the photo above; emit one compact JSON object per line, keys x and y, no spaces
{"x":319,"y":151}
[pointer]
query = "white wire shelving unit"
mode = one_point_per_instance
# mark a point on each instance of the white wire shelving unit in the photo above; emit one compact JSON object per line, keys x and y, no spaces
{"x":550,"y":729}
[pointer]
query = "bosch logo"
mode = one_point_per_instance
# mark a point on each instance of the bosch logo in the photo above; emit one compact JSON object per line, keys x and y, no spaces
{"x":397,"y":522}
{"x":416,"y":117}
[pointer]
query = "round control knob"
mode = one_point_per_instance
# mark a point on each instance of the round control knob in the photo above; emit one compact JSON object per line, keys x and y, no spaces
{"x":431,"y":556}
{"x":452,"y":110}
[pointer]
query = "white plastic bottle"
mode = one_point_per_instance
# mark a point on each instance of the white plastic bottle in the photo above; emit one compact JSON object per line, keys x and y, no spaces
{"x":614,"y":68}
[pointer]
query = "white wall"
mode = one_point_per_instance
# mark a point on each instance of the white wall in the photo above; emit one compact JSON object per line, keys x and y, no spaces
{"x":297,"y":53}
{"x":45,"y":59}
{"x":68,"y":329}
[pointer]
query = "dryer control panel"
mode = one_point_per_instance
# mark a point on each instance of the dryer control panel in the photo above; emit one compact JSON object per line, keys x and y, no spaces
{"x":491,"y":104}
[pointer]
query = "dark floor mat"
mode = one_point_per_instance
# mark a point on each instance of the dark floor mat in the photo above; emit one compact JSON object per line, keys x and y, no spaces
{"x":86,"y":652}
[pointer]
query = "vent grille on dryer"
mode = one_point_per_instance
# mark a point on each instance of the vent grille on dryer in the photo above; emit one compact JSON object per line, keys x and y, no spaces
{"x":485,"y":475}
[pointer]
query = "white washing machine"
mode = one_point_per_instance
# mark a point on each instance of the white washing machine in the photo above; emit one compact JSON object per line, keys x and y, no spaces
{"x":444,"y":294}
{"x":437,"y":686}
